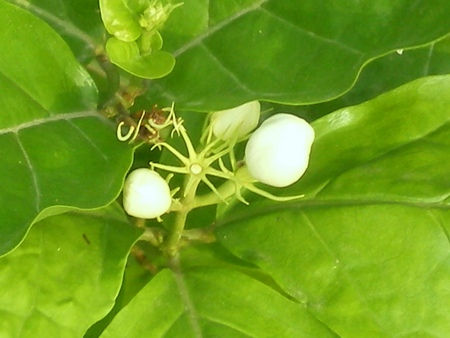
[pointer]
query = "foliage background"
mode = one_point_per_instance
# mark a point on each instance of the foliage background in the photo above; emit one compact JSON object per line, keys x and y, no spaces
{"x":364,"y":254}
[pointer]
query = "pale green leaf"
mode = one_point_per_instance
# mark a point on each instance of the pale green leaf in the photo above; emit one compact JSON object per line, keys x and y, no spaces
{"x":65,"y":275}
{"x":211,"y":302}
{"x":367,"y":249}
{"x":127,"y":55}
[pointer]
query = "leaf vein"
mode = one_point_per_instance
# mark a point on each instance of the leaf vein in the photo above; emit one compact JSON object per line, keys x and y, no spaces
{"x":52,"y":118}
{"x":213,"y":29}
{"x":226,"y":70}
{"x":32,"y":173}
{"x":313,"y":34}
{"x":426,"y":70}
{"x":88,"y":139}
{"x":265,"y":209}
{"x":186,"y":297}
{"x":373,"y":314}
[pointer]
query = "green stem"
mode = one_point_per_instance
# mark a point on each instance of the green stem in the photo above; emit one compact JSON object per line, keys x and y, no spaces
{"x":173,"y":242}
{"x":226,"y":190}
{"x":112,"y":76}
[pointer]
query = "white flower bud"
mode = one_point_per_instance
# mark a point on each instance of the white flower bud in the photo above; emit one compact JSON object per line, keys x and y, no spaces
{"x":235,"y":122}
{"x":277,"y":153}
{"x":146,"y":194}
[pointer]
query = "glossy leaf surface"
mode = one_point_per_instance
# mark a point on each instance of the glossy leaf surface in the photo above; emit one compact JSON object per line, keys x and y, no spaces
{"x":364,"y":254}
{"x":128,"y":56}
{"x":57,"y":150}
{"x":120,"y":20}
{"x":285,"y":51}
{"x":385,"y":73}
{"x":65,"y":275}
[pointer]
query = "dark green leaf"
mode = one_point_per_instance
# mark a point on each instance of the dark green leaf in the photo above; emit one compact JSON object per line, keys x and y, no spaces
{"x":286,"y":51}
{"x":77,"y":21}
{"x":56,"y":149}
{"x":384,"y":74}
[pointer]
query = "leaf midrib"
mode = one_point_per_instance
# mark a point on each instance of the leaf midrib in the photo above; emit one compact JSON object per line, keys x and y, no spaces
{"x":52,"y":118}
{"x":212,"y":29}
{"x":265,"y":209}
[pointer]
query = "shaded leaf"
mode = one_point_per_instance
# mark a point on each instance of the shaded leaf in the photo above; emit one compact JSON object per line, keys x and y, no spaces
{"x":56,"y":149}
{"x":136,"y":276}
{"x":368,"y":248}
{"x":77,"y":21}
{"x":385,"y":73}
{"x":283,"y":51}
{"x":399,"y":68}
{"x":65,"y":275}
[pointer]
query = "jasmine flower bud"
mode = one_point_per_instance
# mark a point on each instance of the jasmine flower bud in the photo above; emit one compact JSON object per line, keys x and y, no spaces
{"x":277,"y":153}
{"x":236,"y":122}
{"x":146,"y":194}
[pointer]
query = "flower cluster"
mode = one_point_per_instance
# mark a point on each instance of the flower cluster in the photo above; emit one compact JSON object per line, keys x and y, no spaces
{"x":276,"y":154}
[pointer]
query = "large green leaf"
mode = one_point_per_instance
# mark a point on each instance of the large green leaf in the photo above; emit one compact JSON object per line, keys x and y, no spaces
{"x":285,"y":51}
{"x":56,"y":149}
{"x":385,"y":73}
{"x":212,"y":302}
{"x":367,"y":250}
{"x":399,"y":68}
{"x":365,"y":271}
{"x":65,"y":275}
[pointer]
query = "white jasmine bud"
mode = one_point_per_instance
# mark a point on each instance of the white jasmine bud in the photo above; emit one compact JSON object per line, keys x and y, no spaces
{"x":236,"y":122}
{"x":277,"y":153}
{"x":146,"y":194}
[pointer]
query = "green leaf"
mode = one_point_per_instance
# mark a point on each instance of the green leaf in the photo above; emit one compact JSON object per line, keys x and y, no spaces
{"x":128,"y":56}
{"x":120,"y":20}
{"x":204,"y":302}
{"x":385,"y":73}
{"x":285,"y":51}
{"x":399,"y":154}
{"x":364,"y":271}
{"x":78,"y":22}
{"x":65,"y":275}
{"x":57,"y":150}
{"x":367,"y":250}
{"x":399,"y":68}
